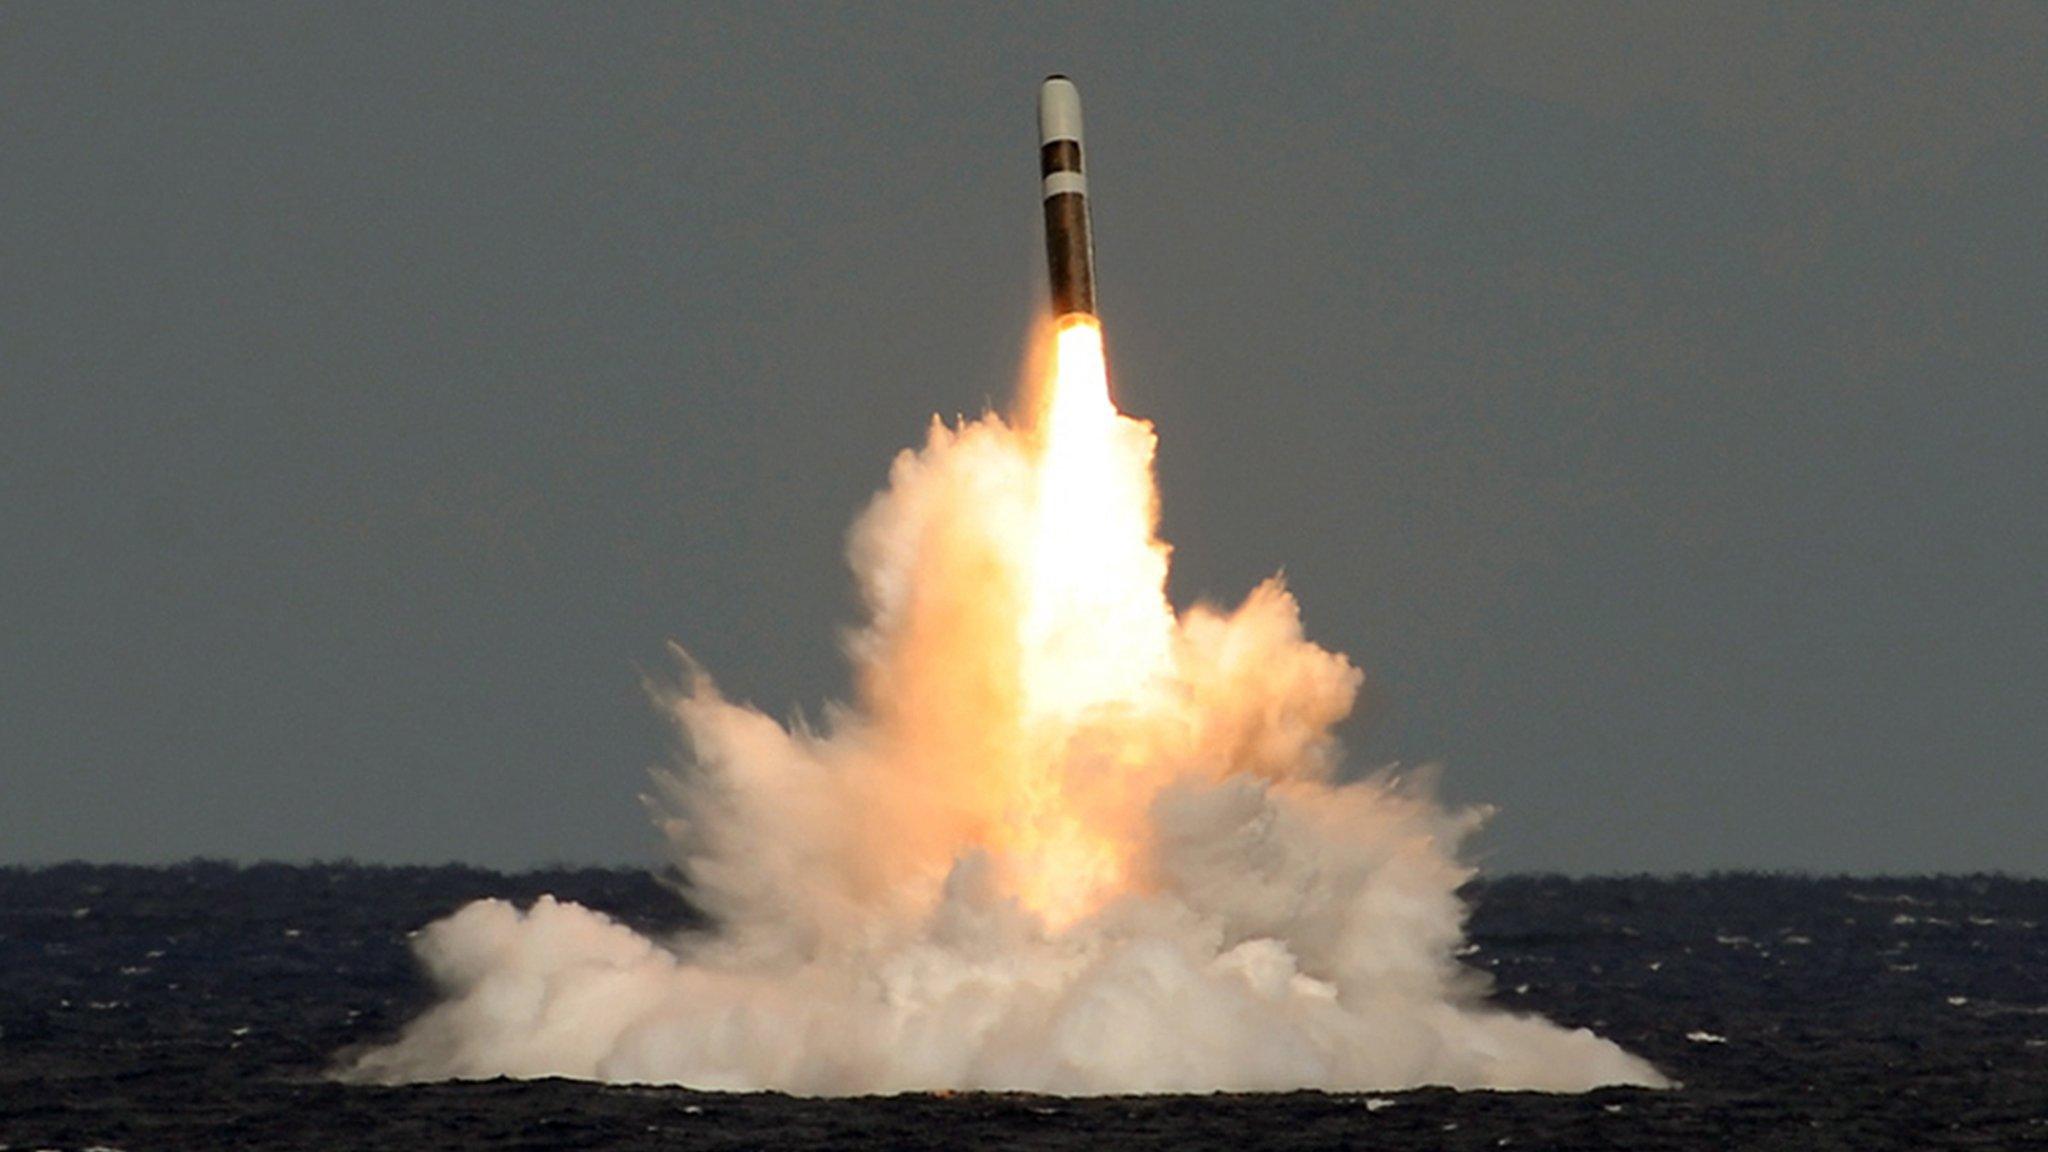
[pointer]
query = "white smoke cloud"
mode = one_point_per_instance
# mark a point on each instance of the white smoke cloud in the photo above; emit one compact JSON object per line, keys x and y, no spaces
{"x":949,"y":886}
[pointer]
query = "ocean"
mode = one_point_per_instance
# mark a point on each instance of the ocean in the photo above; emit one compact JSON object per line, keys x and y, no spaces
{"x":201,"y":1006}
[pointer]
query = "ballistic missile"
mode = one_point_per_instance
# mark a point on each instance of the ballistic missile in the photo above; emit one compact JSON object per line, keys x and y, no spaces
{"x":1069,"y":252}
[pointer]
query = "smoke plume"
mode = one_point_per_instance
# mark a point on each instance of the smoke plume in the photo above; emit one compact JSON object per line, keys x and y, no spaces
{"x":1064,"y":839}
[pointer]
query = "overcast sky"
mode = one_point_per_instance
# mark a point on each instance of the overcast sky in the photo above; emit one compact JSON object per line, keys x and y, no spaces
{"x":1653,"y":400}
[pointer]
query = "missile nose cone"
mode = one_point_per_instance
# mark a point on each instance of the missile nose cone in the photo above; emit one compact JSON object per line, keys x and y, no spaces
{"x":1059,"y":110}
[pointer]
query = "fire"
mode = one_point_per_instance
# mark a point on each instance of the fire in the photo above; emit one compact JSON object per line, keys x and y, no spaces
{"x":1094,"y":635}
{"x":1096,"y":628}
{"x":1063,"y":838}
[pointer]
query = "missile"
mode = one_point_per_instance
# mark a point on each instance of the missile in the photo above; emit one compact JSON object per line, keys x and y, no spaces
{"x":1069,"y":251}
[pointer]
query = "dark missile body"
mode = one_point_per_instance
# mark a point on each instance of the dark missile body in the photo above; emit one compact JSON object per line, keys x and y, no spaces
{"x":1069,"y":249}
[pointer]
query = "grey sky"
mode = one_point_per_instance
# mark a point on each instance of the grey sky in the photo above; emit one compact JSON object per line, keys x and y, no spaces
{"x":1650,"y":398}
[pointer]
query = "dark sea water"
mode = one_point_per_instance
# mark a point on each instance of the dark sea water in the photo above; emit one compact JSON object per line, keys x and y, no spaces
{"x":198,"y":1007}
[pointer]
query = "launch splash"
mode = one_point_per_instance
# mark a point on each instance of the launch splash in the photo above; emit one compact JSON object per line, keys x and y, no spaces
{"x":1064,"y":839}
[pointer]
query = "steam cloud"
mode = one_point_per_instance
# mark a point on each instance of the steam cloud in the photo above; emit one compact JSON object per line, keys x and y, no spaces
{"x":969,"y":880}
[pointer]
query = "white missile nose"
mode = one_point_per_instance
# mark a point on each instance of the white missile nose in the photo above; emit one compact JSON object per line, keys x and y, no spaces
{"x":1059,"y":110}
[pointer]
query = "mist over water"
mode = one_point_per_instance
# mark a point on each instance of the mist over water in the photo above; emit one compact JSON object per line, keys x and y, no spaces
{"x":1064,"y":838}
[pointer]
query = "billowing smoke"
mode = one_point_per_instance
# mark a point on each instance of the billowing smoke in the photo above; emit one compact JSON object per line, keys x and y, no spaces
{"x":1065,"y":839}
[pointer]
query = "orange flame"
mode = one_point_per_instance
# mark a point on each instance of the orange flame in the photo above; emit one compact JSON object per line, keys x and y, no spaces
{"x":1095,"y":633}
{"x":1035,"y":729}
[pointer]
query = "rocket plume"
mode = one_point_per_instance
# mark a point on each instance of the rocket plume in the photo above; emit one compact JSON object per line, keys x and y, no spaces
{"x":1064,"y":839}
